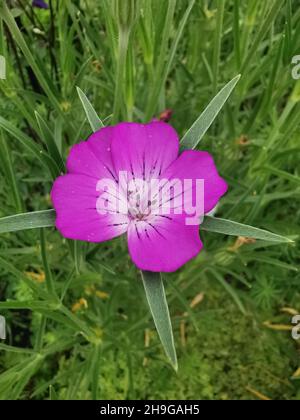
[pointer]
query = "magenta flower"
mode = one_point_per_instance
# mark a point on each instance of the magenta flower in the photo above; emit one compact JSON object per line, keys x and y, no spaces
{"x":162,"y":234}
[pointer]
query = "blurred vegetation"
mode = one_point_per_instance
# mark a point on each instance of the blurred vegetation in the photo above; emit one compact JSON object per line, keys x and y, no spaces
{"x":232,"y":306}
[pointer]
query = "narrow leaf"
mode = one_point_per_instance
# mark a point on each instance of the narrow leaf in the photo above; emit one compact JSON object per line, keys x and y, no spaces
{"x":47,"y":270}
{"x":164,"y":67}
{"x":10,"y":173}
{"x":230,"y":290}
{"x":91,"y":114}
{"x":194,"y":135}
{"x":23,"y":221}
{"x":282,"y":174}
{"x":34,"y":305}
{"x":42,"y":77}
{"x":13,"y":349}
{"x":156,"y":297}
{"x":48,"y":139}
{"x":262,"y":31}
{"x":52,"y":393}
{"x":228,"y":227}
{"x":31,"y":146}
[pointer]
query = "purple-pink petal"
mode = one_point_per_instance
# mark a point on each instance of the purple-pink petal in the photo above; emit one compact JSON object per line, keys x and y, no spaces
{"x":164,"y":244}
{"x":74,"y":197}
{"x":144,"y":150}
{"x":193,"y":164}
{"x":93,"y":157}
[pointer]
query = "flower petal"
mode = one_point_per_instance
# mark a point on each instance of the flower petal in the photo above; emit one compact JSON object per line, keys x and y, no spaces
{"x":144,"y":150}
{"x":198,"y":165}
{"x":93,"y":157}
{"x":75,"y":200}
{"x":40,"y":4}
{"x":163,"y":245}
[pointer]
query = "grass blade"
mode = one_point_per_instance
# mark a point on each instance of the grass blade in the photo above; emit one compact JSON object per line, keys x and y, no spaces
{"x":262,"y":31}
{"x":281,"y":174}
{"x":156,"y":298}
{"x":194,"y":135}
{"x":52,"y":394}
{"x":228,"y":227}
{"x":31,"y":146}
{"x":230,"y":290}
{"x":23,"y":221}
{"x":48,"y":139}
{"x":120,"y":73}
{"x":7,"y":164}
{"x":47,"y":270}
{"x":163,"y":69}
{"x":91,"y":114}
{"x":217,"y":43}
{"x":159,"y":68}
{"x":41,"y":76}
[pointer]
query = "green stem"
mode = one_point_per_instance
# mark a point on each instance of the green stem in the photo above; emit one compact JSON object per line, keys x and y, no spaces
{"x":274,"y":134}
{"x":10,"y":173}
{"x":159,"y":68}
{"x":217,"y":44}
{"x":130,"y":71}
{"x":48,"y":274}
{"x":80,"y":324}
{"x":121,"y":63}
{"x":236,"y":34}
{"x":40,"y":334}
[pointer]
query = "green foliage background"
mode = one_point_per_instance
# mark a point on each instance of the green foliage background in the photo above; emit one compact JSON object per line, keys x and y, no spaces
{"x":178,"y":55}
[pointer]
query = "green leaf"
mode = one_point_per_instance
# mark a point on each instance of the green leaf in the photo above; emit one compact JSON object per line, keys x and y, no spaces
{"x":230,"y":290}
{"x":95,"y":369}
{"x":52,"y":394}
{"x":156,"y":297}
{"x":47,"y":137}
{"x":41,"y":75}
{"x":9,"y":267}
{"x":8,"y":168}
{"x":194,"y":135}
{"x":47,"y":270}
{"x":164,"y":66}
{"x":14,"y":349}
{"x":262,"y":31}
{"x":91,"y":114}
{"x":218,"y":32}
{"x":31,"y":146}
{"x":23,"y":221}
{"x":33,"y":305}
{"x":281,"y":174}
{"x":228,"y":227}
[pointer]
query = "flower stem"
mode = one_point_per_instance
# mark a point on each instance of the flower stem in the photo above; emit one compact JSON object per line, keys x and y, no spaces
{"x":48,"y":274}
{"x":121,"y":62}
{"x":217,"y":44}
